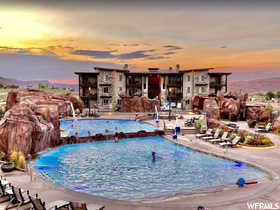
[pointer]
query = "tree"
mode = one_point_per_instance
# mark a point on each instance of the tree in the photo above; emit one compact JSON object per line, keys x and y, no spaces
{"x":43,"y":85}
{"x":1,"y":86}
{"x":278,"y":94}
{"x":269,"y":95}
{"x":2,"y":112}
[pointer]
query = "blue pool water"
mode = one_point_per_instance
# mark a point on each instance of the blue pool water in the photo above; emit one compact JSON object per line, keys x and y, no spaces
{"x":104,"y":126}
{"x":126,"y":171}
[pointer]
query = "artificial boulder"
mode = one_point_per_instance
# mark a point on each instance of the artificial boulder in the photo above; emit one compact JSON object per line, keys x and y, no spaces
{"x":138,"y":104}
{"x":31,"y":123}
{"x":257,"y":113}
{"x":211,"y":108}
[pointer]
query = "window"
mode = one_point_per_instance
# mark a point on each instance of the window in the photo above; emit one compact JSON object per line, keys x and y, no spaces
{"x":202,"y":89}
{"x":187,"y":101}
{"x":120,"y":77}
{"x":145,"y":84}
{"x":189,"y":89}
{"x":189,"y":78}
{"x":120,"y":89}
{"x":106,"y":90}
{"x":105,"y":101}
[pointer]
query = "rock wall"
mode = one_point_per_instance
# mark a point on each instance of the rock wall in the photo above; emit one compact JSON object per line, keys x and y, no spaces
{"x":31,"y":123}
{"x":257,"y":113}
{"x":226,"y":106}
{"x":138,"y":104}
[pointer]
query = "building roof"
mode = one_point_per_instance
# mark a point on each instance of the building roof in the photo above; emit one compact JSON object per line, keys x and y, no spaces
{"x":110,"y":69}
{"x":163,"y":71}
{"x":219,"y":73}
{"x":88,"y":72}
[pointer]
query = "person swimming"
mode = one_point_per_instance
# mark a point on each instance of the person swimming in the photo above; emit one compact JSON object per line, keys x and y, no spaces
{"x":153,"y":156}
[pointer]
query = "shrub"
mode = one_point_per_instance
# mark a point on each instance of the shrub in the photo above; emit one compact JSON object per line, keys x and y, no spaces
{"x":266,"y":141}
{"x":197,"y":124}
{"x":2,"y":112}
{"x":248,"y":139}
{"x":18,"y":159}
{"x":232,"y":135}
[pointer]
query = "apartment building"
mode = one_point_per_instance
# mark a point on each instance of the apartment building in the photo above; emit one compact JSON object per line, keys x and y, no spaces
{"x":175,"y":86}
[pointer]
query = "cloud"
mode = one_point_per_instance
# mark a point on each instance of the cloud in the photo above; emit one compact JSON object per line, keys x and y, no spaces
{"x":172,"y":47}
{"x":156,"y":57}
{"x":136,"y":54}
{"x":29,"y":67}
{"x":95,"y":53}
{"x":169,"y":53}
{"x":33,"y":51}
{"x":109,"y":54}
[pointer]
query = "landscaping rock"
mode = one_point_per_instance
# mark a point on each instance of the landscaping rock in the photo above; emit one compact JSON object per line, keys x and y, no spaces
{"x":138,"y":104}
{"x":211,"y":108}
{"x":31,"y":123}
{"x":257,"y":113}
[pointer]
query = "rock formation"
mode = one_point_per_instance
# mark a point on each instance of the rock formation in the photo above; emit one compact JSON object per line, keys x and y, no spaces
{"x":138,"y":104}
{"x":211,"y":108}
{"x":276,"y":125}
{"x":31,"y":123}
{"x":226,"y":106}
{"x":257,"y":113}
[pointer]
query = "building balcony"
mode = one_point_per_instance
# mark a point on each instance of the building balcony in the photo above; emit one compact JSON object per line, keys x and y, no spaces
{"x":201,"y":83}
{"x":174,"y":97}
{"x":89,"y":97}
{"x":134,"y":85}
{"x":89,"y":84}
{"x":106,"y":95}
{"x":217,"y":84}
{"x":174,"y":84}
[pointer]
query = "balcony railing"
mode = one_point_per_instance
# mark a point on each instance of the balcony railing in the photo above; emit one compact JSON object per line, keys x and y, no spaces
{"x":134,"y":85}
{"x":217,"y":84}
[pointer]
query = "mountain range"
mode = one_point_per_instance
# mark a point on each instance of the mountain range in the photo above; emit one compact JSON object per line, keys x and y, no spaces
{"x":34,"y":83}
{"x":256,"y":86}
{"x":250,"y":86}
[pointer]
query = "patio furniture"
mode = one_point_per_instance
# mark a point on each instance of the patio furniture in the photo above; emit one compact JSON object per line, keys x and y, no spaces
{"x":224,"y":138}
{"x":39,"y":205}
{"x":233,"y":143}
{"x":215,"y":136}
{"x":18,"y":197}
{"x":5,"y":191}
{"x":266,"y":128}
{"x":208,"y":133}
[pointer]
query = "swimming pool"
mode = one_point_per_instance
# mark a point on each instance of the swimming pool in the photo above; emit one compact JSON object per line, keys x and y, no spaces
{"x":126,"y":171}
{"x":82,"y":127}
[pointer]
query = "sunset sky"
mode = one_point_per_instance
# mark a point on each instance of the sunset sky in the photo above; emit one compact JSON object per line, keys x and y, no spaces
{"x":52,"y":39}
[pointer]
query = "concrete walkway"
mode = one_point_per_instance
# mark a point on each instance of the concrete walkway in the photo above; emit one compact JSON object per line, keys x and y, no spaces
{"x":221,"y":198}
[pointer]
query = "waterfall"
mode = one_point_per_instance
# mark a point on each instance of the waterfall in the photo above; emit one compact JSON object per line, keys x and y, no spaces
{"x":73,"y":111}
{"x":157,"y":115}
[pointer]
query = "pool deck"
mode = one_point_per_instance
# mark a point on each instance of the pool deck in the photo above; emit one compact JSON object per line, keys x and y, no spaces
{"x":221,"y":198}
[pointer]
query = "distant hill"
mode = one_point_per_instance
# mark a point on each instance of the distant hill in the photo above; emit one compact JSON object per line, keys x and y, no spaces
{"x":21,"y":83}
{"x":34,"y":83}
{"x":256,"y":86}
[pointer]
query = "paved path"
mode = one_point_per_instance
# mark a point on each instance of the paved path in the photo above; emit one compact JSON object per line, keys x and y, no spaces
{"x":228,"y":197}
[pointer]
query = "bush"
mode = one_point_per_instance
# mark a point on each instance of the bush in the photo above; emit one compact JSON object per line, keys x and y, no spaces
{"x":255,"y":141}
{"x":197,"y":124}
{"x":18,"y":159}
{"x":232,"y":135}
{"x":269,"y":95}
{"x":2,"y":112}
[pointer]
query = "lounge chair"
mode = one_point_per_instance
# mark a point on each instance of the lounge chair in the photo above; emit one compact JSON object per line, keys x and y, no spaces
{"x":224,"y":138}
{"x":18,"y":197}
{"x":266,"y":128}
{"x":215,"y":136}
{"x":5,"y":191}
{"x":83,"y":206}
{"x":39,"y":205}
{"x":233,"y":143}
{"x":208,"y":133}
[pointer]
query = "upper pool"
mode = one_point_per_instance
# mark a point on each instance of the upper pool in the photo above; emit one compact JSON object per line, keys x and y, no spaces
{"x":126,"y":171}
{"x":82,"y":127}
